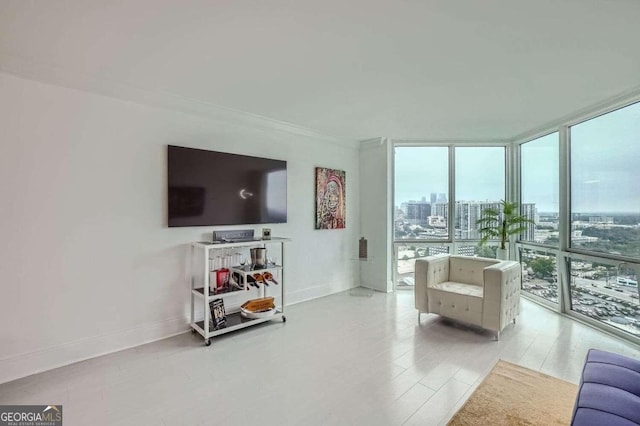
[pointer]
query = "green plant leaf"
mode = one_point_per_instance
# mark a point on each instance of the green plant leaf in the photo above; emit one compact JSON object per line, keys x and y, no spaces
{"x":501,"y":223}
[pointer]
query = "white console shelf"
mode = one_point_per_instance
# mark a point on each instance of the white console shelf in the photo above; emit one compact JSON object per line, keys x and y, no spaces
{"x":201,"y":285}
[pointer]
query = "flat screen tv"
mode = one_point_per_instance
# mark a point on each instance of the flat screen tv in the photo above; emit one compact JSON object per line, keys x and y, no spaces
{"x":218,"y":188}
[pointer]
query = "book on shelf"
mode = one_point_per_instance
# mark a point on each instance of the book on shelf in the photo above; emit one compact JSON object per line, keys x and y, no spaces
{"x":218,"y":315}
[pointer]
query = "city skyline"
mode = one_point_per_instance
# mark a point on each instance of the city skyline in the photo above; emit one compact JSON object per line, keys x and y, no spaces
{"x":603,"y":163}
{"x":539,"y":211}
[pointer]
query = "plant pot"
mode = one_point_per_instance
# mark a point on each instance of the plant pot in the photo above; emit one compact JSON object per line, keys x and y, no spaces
{"x":502,"y":254}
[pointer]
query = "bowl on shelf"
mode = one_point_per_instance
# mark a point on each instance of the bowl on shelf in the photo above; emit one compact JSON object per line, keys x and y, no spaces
{"x":260,"y":314}
{"x":257,"y":305}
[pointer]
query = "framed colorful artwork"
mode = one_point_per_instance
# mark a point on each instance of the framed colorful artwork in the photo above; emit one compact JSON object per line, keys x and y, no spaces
{"x":331,"y":200}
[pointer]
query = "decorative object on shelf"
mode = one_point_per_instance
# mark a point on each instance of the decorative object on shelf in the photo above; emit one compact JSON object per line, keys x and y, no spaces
{"x":258,"y":305}
{"x":266,"y":233}
{"x":234,"y":281}
{"x":269,"y":277}
{"x":258,"y":257}
{"x":222,"y":277}
{"x":218,"y":315}
{"x":236,"y":235}
{"x":260,"y":314}
{"x":331,"y":208}
{"x":213,"y":273}
{"x":251,"y":282}
{"x":502,"y":223}
{"x":362,"y":248}
{"x":260,"y":279}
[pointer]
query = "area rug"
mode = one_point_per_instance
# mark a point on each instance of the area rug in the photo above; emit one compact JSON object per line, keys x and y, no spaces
{"x":514,"y":395}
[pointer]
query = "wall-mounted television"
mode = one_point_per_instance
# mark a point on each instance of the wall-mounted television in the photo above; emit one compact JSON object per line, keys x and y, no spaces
{"x":217,"y":188}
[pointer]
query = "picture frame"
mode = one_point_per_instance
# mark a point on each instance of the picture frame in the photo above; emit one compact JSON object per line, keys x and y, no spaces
{"x":331,"y":199}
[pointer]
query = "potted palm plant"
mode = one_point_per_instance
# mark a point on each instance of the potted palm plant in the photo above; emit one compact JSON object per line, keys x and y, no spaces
{"x":501,"y":223}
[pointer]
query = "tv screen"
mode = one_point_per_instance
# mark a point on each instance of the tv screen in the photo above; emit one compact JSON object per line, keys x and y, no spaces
{"x":217,"y":188}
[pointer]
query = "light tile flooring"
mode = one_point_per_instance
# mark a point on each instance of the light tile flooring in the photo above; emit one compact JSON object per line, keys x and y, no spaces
{"x":345,"y":359}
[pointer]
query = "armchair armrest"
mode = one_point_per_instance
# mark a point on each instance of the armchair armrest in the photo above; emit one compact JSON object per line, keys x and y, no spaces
{"x":429,"y":271}
{"x":501,"y":297}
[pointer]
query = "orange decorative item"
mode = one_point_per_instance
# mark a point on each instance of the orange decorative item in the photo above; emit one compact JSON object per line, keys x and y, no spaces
{"x":258,"y":305}
{"x":260,"y":279}
{"x":268,"y":276}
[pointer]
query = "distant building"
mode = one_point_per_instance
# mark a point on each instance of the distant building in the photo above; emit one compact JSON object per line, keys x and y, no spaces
{"x":434,"y":197}
{"x":529,"y":211}
{"x":467,"y":214}
{"x":437,"y":221}
{"x":404,"y":206}
{"x":442,"y":198}
{"x":601,"y":220}
{"x":441,"y":209}
{"x":577,"y":237}
{"x":418,"y":212}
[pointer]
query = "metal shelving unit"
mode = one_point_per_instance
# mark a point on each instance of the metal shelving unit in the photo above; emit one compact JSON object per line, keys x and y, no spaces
{"x":201,"y":285}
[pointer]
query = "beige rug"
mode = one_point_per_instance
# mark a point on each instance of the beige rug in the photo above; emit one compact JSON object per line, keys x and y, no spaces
{"x":514,"y":395}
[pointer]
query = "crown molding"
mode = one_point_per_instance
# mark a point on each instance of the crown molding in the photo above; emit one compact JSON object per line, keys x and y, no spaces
{"x":32,"y":70}
{"x":371,"y":143}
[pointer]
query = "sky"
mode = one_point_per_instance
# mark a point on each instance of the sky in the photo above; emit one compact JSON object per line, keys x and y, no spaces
{"x":605,"y":167}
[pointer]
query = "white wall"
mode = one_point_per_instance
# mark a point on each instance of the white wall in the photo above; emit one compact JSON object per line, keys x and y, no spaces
{"x":375,"y":213}
{"x":87,"y":263}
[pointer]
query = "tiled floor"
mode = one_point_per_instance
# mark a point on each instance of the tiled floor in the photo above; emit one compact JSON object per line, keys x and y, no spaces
{"x":346,"y":359}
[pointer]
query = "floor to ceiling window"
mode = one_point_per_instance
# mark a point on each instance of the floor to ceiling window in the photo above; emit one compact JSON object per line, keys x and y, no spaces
{"x":605,"y":174}
{"x":539,"y":174}
{"x":480,"y":184}
{"x":605,"y":218}
{"x":539,"y":201}
{"x":422,"y":201}
{"x":421,"y":206}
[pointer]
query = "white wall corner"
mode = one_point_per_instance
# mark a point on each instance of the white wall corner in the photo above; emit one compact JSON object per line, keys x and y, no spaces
{"x":372,"y":143}
{"x":375,"y":211}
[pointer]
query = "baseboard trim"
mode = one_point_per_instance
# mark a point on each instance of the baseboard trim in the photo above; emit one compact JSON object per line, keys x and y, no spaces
{"x":315,"y":292}
{"x":26,"y":364}
{"x":29,"y":363}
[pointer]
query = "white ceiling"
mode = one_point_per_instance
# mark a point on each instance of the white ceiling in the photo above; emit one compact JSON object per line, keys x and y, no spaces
{"x":354,"y":69}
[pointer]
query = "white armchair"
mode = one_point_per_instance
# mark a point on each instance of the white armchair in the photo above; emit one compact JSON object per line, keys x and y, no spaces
{"x":476,"y":290}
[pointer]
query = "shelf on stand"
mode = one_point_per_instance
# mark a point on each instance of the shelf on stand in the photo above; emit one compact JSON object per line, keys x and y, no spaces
{"x":200,"y":291}
{"x":236,"y":321}
{"x":248,"y":269}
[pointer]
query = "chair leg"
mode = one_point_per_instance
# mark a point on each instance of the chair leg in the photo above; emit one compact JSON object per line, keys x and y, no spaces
{"x":514,"y":320}
{"x":418,"y":317}
{"x":497,"y":336}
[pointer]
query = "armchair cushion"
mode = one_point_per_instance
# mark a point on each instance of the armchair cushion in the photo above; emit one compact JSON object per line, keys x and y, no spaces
{"x":469,"y":270}
{"x":460,"y":288}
